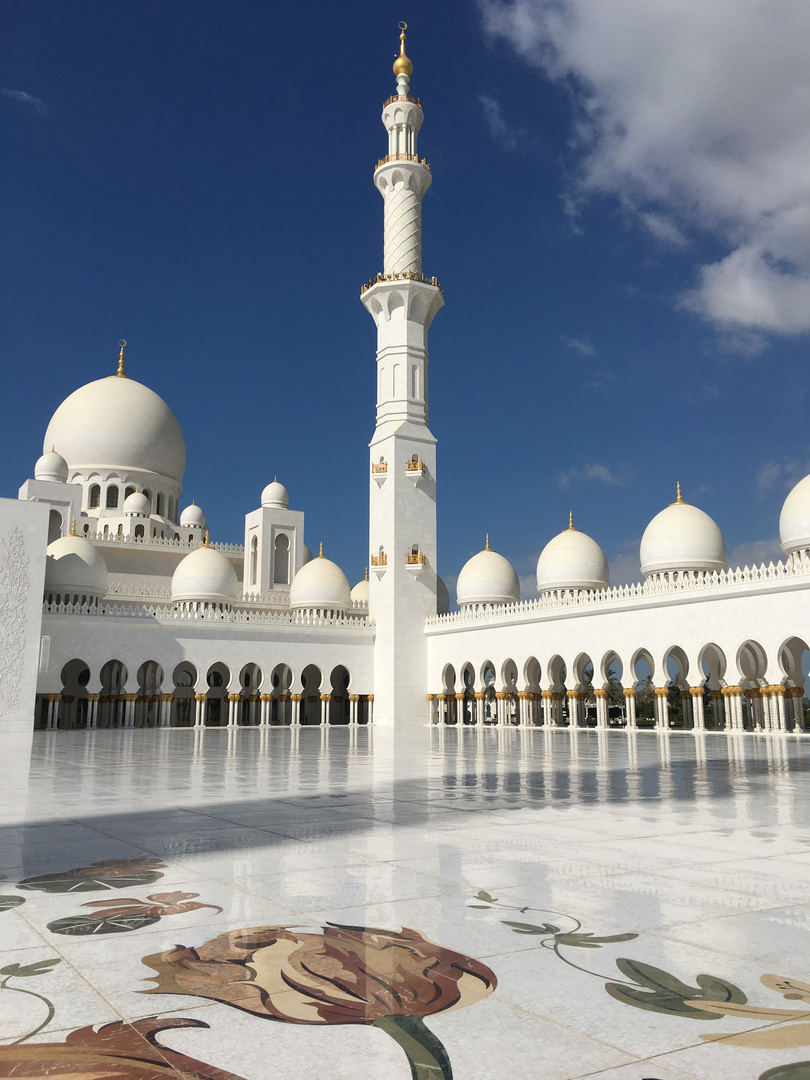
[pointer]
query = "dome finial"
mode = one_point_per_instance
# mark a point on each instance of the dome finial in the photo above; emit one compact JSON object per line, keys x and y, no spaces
{"x":486,"y":546}
{"x":320,"y":553}
{"x":206,"y":539}
{"x":402,"y":65}
{"x":678,"y":497}
{"x":120,"y":373}
{"x":571,"y":521}
{"x":73,"y":530}
{"x":366,"y":577}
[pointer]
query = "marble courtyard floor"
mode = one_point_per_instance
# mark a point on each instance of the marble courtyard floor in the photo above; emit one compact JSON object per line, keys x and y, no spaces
{"x":549,"y":904}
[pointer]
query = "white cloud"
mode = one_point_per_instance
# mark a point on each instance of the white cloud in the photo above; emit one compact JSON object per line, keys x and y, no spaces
{"x":780,"y":474}
{"x":625,"y":567}
{"x":500,"y":131}
{"x":26,"y":99}
{"x":599,"y":473}
{"x":693,"y":115}
{"x":579,"y":345}
{"x":756,"y":552}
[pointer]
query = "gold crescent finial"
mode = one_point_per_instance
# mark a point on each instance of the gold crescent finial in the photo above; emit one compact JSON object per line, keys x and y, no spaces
{"x":402,"y":65}
{"x":73,"y":530}
{"x":120,"y":373}
{"x":571,"y":521}
{"x":320,"y":553}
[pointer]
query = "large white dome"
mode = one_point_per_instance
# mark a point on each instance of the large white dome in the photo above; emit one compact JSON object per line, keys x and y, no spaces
{"x":75,"y":567}
{"x":205,"y":575}
{"x":320,"y":584}
{"x":794,"y":521}
{"x":682,"y":538}
{"x":117,"y":423}
{"x":572,"y":560}
{"x":487,"y":578}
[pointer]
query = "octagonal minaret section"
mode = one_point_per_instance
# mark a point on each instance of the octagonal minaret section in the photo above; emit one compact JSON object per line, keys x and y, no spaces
{"x":402,"y":467}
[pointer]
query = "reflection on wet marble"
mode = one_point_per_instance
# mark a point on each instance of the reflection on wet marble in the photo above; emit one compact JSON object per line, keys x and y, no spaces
{"x":540,"y":857}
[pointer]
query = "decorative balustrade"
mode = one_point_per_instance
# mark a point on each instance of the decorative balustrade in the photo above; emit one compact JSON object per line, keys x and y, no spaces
{"x":176,"y":543}
{"x":402,"y":157}
{"x":238,"y":616}
{"x":382,"y":467}
{"x":415,"y":466}
{"x":415,"y":558}
{"x":679,"y":583}
{"x":407,"y":275}
{"x":379,"y":560}
{"x":138,"y":589}
{"x":403,"y":97}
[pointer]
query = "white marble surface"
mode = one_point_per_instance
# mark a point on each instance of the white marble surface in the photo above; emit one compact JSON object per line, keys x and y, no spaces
{"x":701,"y":849}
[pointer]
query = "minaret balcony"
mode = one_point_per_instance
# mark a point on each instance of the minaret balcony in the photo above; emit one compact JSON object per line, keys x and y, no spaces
{"x":407,"y":275}
{"x":403,"y":97}
{"x":379,"y":563}
{"x":415,"y":561}
{"x":415,"y":469}
{"x":379,"y":472}
{"x":402,"y":157}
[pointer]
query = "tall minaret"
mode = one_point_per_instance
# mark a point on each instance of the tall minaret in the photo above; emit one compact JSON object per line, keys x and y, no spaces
{"x":402,"y":502}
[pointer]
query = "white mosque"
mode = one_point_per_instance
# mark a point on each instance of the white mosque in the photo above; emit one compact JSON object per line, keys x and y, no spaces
{"x":117,"y":611}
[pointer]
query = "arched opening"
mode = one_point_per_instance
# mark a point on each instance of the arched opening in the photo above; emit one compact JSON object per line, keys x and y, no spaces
{"x":712,"y":666}
{"x":281,"y":560}
{"x":752,"y":663}
{"x":184,"y":678}
{"x":676,"y":665}
{"x":159,"y":504}
{"x":138,"y":531}
{"x":488,"y":683}
{"x":216,"y":711}
{"x":468,"y":715}
{"x":54,"y":526}
{"x":72,"y":708}
{"x":111,"y":501}
{"x":129,"y":491}
{"x":643,"y":669}
{"x":339,"y":700}
{"x":311,"y":696}
{"x":147,"y":707}
{"x":449,"y":694}
{"x":250,"y":679}
{"x":113,"y":679}
{"x":94,"y":501}
{"x":280,"y":705}
{"x":508,"y":711}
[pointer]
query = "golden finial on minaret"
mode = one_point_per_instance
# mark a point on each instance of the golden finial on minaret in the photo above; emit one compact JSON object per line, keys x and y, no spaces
{"x":120,"y":373}
{"x":571,"y":521}
{"x":366,"y":577}
{"x":73,"y":530}
{"x":486,"y":546}
{"x":320,"y":553}
{"x":678,"y":498}
{"x":402,"y":65}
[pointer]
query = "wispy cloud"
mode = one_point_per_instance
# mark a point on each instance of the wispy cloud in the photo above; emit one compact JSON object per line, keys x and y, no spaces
{"x":625,"y":566}
{"x":581,"y":345}
{"x":756,"y":552}
{"x":25,"y":99}
{"x":602,"y":379}
{"x":600,"y":474}
{"x":694,"y":117}
{"x":500,"y":131}
{"x":780,"y":474}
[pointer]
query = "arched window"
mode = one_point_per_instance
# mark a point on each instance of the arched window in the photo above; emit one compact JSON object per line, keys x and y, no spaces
{"x":159,"y":506}
{"x":281,"y":562}
{"x":148,"y":494}
{"x":129,"y":491}
{"x":120,"y":530}
{"x":106,"y":530}
{"x":95,"y":497}
{"x":254,"y":560}
{"x":112,"y":497}
{"x":86,"y":530}
{"x":138,"y":530}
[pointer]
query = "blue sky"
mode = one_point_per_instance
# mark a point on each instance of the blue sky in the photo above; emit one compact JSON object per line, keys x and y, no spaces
{"x":619,"y":218}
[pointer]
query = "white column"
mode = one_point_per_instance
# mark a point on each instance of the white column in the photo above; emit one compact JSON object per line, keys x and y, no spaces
{"x":630,"y":707}
{"x":698,"y":717}
{"x":200,"y":711}
{"x":92,"y":710}
{"x":370,"y":708}
{"x":129,"y":710}
{"x":353,"y":709}
{"x":233,"y":706}
{"x":324,"y":709}
{"x":796,"y":696}
{"x":296,"y":710}
{"x":686,"y":707}
{"x":573,"y":708}
{"x":661,"y":695}
{"x":601,"y":708}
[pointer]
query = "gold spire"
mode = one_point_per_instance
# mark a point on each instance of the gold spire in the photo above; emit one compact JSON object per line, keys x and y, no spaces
{"x":487,"y":547}
{"x":73,"y":530}
{"x":206,"y":539}
{"x":120,"y":373}
{"x":402,"y":65}
{"x":366,"y":577}
{"x":571,"y":521}
{"x":678,"y":498}
{"x":320,"y":553}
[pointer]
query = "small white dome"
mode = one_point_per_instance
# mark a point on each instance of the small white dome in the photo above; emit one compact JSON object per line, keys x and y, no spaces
{"x":794,"y":521}
{"x":360,"y":591}
{"x":276,"y":495}
{"x":51,"y":466}
{"x":320,"y":584}
{"x":682,"y":538}
{"x":192,"y":515}
{"x":75,"y":566}
{"x":571,"y":560}
{"x":137,"y":503}
{"x":207,"y":576}
{"x":487,"y":578}
{"x":117,"y":423}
